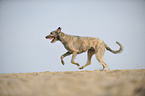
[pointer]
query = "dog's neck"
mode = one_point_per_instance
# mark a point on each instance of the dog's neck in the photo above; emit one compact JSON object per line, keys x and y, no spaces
{"x":62,"y":37}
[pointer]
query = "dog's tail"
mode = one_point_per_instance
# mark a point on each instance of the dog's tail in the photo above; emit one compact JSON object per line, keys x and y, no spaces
{"x":114,"y":51}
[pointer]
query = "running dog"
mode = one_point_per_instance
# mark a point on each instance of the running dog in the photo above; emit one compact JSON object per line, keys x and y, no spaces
{"x":77,"y":45}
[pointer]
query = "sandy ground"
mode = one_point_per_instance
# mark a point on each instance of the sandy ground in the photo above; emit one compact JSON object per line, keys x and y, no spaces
{"x":82,"y":83}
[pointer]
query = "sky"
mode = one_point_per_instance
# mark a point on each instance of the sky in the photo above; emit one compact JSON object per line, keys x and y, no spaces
{"x":25,"y":23}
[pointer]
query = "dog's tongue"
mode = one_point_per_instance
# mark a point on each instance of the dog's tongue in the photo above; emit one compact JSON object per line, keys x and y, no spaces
{"x":52,"y":39}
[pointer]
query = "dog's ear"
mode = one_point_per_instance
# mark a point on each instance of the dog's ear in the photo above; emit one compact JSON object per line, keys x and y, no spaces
{"x":58,"y":30}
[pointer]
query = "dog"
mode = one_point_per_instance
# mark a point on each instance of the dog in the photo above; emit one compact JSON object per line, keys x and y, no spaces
{"x":76,"y":45}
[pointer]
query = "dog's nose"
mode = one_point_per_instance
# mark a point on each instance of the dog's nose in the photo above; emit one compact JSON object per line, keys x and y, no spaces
{"x":46,"y":37}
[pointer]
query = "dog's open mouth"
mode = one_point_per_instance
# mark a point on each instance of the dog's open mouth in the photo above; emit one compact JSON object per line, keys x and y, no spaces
{"x":52,"y":38}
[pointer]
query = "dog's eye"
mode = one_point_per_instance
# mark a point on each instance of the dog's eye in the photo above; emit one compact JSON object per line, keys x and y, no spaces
{"x":51,"y":33}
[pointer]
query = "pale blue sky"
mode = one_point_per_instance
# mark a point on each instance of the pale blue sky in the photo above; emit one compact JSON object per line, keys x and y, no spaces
{"x":25,"y":23}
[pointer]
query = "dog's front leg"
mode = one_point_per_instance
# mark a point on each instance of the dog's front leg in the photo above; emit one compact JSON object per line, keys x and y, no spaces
{"x":73,"y":57}
{"x":64,"y":55}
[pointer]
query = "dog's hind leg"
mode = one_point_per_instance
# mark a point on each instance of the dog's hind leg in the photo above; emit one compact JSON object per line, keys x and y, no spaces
{"x":91,"y":52}
{"x":74,"y":54}
{"x":99,"y":55}
{"x":64,"y":55}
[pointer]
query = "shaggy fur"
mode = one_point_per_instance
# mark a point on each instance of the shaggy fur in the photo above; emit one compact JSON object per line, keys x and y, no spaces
{"x":77,"y":45}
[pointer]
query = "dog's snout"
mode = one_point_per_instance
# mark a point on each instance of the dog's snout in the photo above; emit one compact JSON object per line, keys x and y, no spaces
{"x":46,"y":37}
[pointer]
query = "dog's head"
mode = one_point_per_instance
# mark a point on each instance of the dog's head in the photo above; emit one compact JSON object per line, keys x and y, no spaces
{"x":54,"y":35}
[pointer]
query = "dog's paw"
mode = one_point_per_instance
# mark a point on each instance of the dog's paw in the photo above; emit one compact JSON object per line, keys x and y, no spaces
{"x":81,"y":67}
{"x":62,"y":62}
{"x":78,"y":64}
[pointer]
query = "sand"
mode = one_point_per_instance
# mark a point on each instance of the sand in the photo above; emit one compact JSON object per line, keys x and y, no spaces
{"x":74,"y":83}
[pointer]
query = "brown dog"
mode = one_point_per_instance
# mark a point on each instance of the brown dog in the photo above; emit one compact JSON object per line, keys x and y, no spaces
{"x":77,"y":45}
